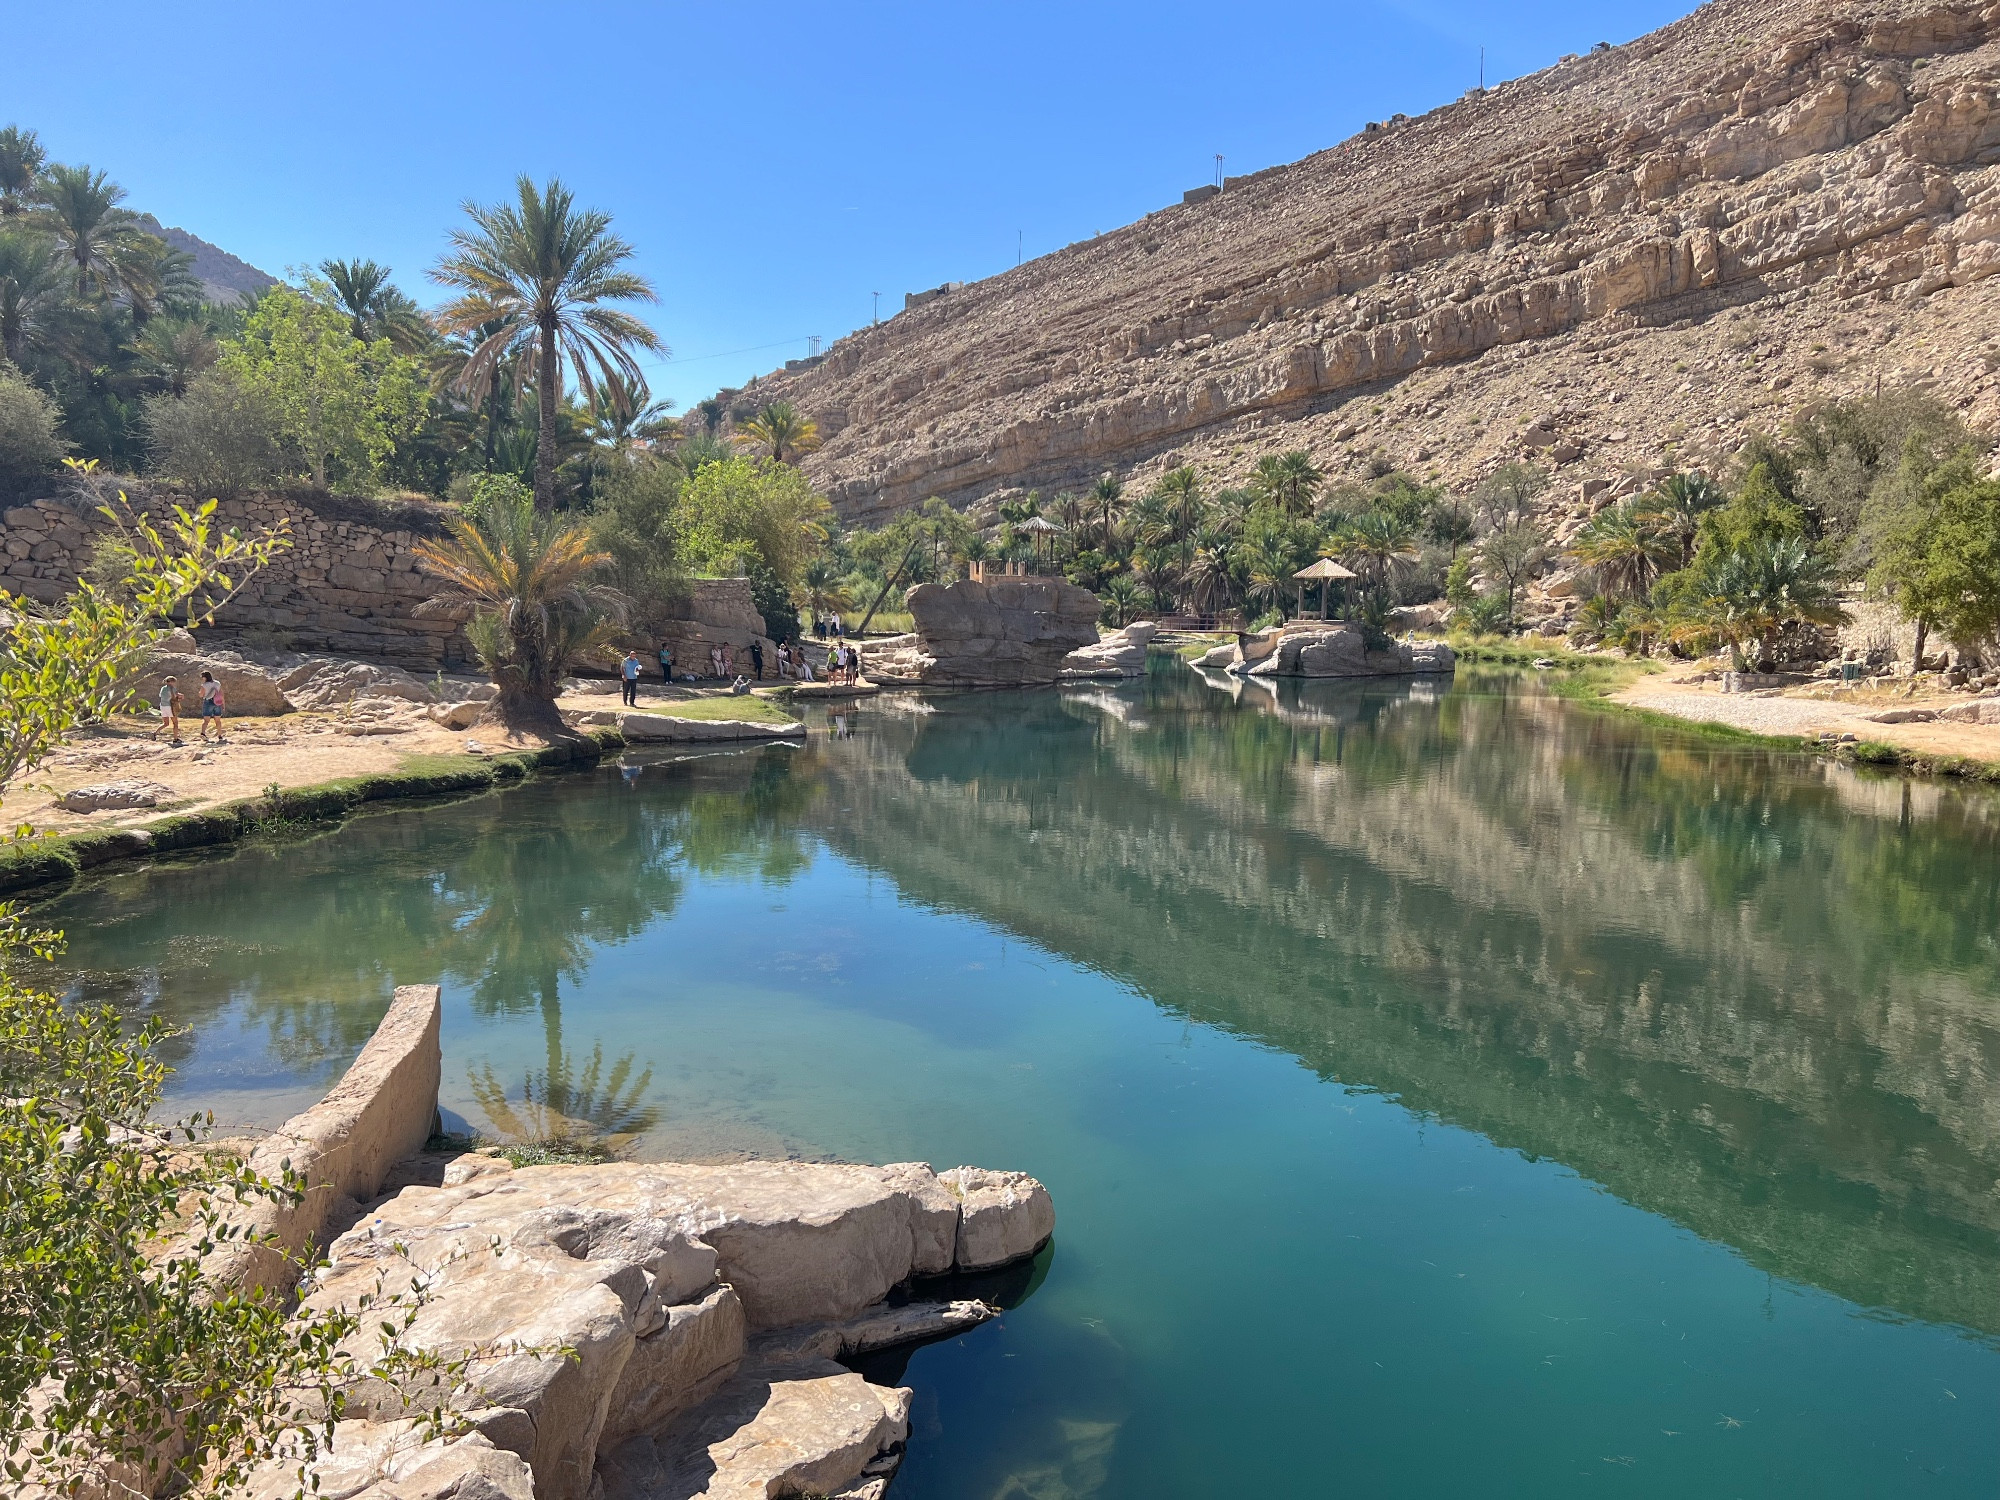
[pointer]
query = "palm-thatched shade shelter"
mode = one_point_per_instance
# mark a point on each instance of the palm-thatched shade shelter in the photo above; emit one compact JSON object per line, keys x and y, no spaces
{"x":1323,"y":572}
{"x":1038,"y":527}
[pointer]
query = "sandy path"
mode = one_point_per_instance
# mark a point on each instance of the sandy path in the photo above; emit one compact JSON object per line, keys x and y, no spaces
{"x":1705,"y":703}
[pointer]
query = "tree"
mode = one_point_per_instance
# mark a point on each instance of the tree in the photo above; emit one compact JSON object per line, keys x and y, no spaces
{"x":176,"y":348}
{"x":781,"y":430}
{"x":31,"y":441}
{"x":80,"y":209}
{"x":1507,"y":497}
{"x":220,"y":436}
{"x":21,"y":163}
{"x":1289,"y":481}
{"x":1107,"y":497}
{"x":531,"y":580}
{"x":375,"y":308}
{"x":742,"y":508}
{"x":1753,"y":592}
{"x":1450,"y":526}
{"x":30,"y":292}
{"x":1937,"y":553}
{"x":1512,"y":552}
{"x":340,"y":404}
{"x":1628,"y":545}
{"x":1377,"y":543}
{"x":543,"y":270}
{"x":1681,"y":501}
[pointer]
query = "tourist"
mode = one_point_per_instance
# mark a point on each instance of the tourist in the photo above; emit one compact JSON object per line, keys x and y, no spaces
{"x":666,"y":662}
{"x":833,"y":663}
{"x":728,"y":661}
{"x":839,"y":626}
{"x":170,"y":711}
{"x":211,"y":705}
{"x":629,"y":670}
{"x":805,"y":664}
{"x":819,"y":628}
{"x":757,"y":659}
{"x":715,"y":661}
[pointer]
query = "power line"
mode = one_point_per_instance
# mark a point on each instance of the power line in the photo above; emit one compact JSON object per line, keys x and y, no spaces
{"x":725,"y":354}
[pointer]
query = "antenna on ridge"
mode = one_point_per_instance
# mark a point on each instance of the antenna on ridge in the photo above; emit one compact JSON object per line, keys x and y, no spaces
{"x":1482,"y":70}
{"x":877,"y":318}
{"x":1218,"y":169}
{"x":812,"y":345}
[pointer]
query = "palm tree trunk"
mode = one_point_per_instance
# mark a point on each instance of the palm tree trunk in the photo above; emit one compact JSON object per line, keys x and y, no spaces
{"x":1917,"y":656}
{"x":545,"y":448}
{"x":492,"y":418}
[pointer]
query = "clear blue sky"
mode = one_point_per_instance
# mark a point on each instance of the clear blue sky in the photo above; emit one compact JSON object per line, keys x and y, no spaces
{"x":772,"y":163}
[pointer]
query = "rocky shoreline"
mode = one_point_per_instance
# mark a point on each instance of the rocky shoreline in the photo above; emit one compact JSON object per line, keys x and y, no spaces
{"x":633,"y":1331}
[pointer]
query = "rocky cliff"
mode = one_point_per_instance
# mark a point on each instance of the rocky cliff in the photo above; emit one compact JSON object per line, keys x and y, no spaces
{"x":1629,"y":259}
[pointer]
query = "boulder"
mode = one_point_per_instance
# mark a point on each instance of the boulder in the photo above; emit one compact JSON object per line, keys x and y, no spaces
{"x":457,"y":715}
{"x":1120,"y":654}
{"x":1005,"y":632}
{"x":676,"y":1365}
{"x":1979,"y":711}
{"x":1002,"y":1216}
{"x":322,"y":682}
{"x":1219,"y":657}
{"x":113,"y":795}
{"x":1341,"y":651}
{"x":247,"y":689}
{"x":394,"y":1461}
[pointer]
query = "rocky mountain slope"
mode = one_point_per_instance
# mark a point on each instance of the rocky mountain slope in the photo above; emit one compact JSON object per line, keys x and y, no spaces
{"x":1627,"y":260}
{"x":222,"y":275}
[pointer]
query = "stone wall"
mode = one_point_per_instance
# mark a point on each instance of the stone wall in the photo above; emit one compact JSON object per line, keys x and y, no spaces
{"x":350,"y":583}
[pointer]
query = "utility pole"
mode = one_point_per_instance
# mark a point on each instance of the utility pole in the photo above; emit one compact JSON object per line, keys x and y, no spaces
{"x":1218,"y":169}
{"x":877,"y":320}
{"x":812,"y":345}
{"x":1020,"y":239}
{"x":1482,"y":70}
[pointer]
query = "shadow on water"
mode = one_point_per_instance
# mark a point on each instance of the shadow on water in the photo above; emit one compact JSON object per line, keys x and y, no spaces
{"x":1730,"y":985}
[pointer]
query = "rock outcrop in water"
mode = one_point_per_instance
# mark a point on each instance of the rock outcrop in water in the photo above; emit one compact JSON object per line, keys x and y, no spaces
{"x":1671,"y":242}
{"x":1329,"y":649}
{"x":1005,"y":632}
{"x":1120,"y":654}
{"x":635,"y":1331}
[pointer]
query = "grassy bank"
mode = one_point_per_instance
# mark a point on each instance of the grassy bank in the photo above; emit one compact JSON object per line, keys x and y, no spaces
{"x":750,"y":708}
{"x":41,"y":861}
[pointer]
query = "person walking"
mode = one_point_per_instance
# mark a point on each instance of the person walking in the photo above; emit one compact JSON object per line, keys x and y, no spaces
{"x":757,"y":658}
{"x":170,"y":711}
{"x":211,"y":706}
{"x":629,"y":670}
{"x":666,"y":662}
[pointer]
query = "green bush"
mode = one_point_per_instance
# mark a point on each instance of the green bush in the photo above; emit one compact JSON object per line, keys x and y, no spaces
{"x":31,"y":442}
{"x":220,"y":438}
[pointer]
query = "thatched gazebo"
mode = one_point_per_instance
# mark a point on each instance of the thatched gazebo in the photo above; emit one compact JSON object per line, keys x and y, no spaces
{"x":1323,"y":572}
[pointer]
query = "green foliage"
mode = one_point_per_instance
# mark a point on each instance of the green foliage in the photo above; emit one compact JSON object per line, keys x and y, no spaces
{"x":1757,"y":512}
{"x":741,"y":509}
{"x":340,"y":404}
{"x":219,"y":436}
{"x":1749,"y":594}
{"x":531,"y":579}
{"x":1628,"y":546}
{"x":484,"y":491}
{"x":1937,"y":550}
{"x":31,"y":442}
{"x":1511,"y":552}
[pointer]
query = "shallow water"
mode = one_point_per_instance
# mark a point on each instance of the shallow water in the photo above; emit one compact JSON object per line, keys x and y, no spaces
{"x":1444,"y":1092}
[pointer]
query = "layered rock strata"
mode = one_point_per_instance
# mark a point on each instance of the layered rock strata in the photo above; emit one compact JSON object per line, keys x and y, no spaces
{"x":1631,"y":257}
{"x":1005,"y":632}
{"x":1120,"y":654}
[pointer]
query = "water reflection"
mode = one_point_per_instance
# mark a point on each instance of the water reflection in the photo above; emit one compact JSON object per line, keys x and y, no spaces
{"x":1753,"y":993}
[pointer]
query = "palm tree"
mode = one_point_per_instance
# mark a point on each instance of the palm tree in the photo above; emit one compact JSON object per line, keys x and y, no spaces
{"x":80,"y":209}
{"x":30,"y":290}
{"x":21,"y":162}
{"x":529,"y":578}
{"x":1184,"y":507}
{"x":781,"y":431}
{"x":1629,"y":546}
{"x":375,"y":308}
{"x":1289,"y":481}
{"x":1107,"y":499}
{"x":1121,"y":601}
{"x":624,"y":413}
{"x":152,"y":274}
{"x":1757,"y":590}
{"x":543,"y":270}
{"x":1682,"y":499}
{"x":1378,"y":543}
{"x":177,"y":348}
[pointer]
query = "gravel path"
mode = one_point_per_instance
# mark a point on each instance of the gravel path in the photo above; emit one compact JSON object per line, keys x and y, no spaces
{"x":1742,"y":711}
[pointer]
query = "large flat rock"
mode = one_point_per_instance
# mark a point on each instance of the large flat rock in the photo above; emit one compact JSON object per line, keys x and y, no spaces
{"x":1005,"y":632}
{"x":1340,"y":650}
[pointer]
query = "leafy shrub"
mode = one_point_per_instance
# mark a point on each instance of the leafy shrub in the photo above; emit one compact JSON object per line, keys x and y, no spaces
{"x":220,"y":438}
{"x":31,"y":444}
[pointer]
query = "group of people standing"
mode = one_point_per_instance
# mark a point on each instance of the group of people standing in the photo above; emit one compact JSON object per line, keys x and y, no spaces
{"x":842,"y":663}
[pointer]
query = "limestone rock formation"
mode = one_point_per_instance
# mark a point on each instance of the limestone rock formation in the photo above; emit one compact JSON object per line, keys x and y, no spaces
{"x":1120,"y":654}
{"x":129,"y":792}
{"x":641,"y":727}
{"x":1671,"y":242}
{"x":669,"y":1330}
{"x":1339,"y":650}
{"x":1005,"y":632}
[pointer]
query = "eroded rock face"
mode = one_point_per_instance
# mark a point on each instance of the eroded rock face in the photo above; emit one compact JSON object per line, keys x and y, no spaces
{"x":701,"y":1307}
{"x":1681,"y":239}
{"x":1342,"y":651}
{"x":393,"y":1461}
{"x":1120,"y":654}
{"x":1005,"y":632}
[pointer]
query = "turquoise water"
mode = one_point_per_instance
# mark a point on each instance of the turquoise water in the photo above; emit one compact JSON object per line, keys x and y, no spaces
{"x":1444,"y":1092}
